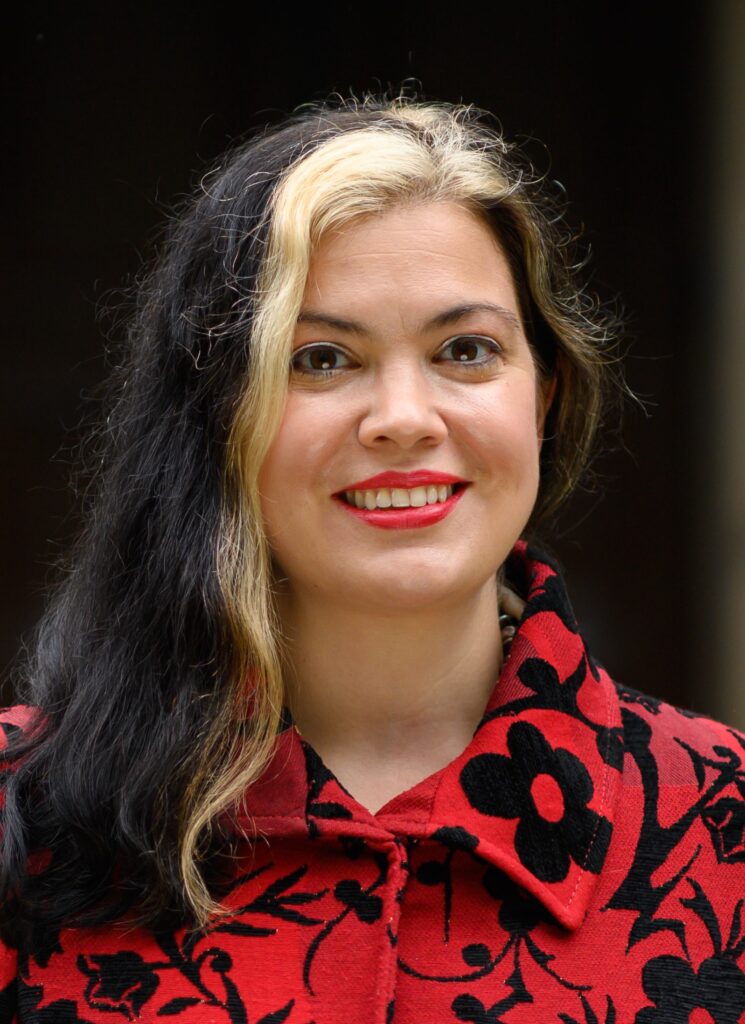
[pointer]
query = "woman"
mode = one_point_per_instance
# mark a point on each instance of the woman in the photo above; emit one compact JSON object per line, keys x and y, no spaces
{"x":279,"y":761}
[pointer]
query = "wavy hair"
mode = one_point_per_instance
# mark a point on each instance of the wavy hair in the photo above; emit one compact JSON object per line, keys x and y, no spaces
{"x":157,"y":669}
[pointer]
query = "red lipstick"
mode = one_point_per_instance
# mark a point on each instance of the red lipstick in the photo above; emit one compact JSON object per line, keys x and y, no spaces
{"x":392,"y":478}
{"x":404,"y":518}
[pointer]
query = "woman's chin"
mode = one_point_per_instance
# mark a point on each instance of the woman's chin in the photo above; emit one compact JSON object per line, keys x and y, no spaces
{"x":408,"y":591}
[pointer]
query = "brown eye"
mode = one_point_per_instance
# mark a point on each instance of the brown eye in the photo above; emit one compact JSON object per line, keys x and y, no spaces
{"x":465,"y":350}
{"x":319,"y":359}
{"x":470,"y":350}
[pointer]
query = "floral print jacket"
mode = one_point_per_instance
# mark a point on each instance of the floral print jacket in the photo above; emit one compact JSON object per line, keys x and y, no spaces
{"x":582,"y":861}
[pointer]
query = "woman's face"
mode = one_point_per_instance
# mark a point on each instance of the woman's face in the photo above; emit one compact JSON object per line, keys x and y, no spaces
{"x":409,"y":358}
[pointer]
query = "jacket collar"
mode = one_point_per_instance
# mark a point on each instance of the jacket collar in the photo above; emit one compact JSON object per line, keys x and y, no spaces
{"x":533,"y":793}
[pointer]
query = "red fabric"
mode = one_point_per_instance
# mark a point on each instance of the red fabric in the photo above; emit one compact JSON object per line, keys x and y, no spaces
{"x":582,"y":861}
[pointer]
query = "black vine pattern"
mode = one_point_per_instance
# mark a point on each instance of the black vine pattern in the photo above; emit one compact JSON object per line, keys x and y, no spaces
{"x":318,"y":777}
{"x":517,"y":915}
{"x":354,"y":899}
{"x":582,"y":862}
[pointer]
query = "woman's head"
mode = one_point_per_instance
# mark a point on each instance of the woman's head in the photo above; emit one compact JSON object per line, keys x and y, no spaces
{"x":329,"y":167}
{"x":411,"y":378}
{"x":355,"y":161}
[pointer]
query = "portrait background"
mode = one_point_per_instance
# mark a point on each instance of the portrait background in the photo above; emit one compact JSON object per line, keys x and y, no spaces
{"x":116,"y":110}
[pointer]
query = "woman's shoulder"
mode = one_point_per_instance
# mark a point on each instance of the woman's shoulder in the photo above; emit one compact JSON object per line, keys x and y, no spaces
{"x":683,"y":747}
{"x":16,"y":724}
{"x":671,"y":723}
{"x":18,"y":718}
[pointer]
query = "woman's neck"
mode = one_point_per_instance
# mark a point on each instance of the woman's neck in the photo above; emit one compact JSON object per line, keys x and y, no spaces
{"x":387,"y":699}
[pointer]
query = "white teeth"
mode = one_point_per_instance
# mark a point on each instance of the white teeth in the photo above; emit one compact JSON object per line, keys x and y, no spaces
{"x":399,"y":497}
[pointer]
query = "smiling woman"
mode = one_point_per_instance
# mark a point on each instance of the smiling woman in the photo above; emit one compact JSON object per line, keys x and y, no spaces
{"x":311,"y":732}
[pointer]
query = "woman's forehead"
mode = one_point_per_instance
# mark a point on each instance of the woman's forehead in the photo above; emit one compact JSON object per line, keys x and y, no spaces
{"x":411,"y":224}
{"x":431,"y":253}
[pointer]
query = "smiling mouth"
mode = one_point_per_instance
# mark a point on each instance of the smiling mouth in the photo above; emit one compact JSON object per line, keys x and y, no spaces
{"x":400,"y":497}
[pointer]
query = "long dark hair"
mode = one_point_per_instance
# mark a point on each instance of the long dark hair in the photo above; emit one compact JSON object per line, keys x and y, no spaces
{"x":139,"y":678}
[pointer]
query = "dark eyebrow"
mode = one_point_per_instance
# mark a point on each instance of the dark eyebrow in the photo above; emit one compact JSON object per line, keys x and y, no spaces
{"x":448,"y":316}
{"x":311,"y":316}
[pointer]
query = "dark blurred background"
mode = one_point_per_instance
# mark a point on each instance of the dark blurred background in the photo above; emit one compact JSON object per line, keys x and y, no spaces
{"x":116,"y":110}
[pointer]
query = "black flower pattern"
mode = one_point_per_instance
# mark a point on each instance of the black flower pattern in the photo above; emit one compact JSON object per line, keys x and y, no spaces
{"x":60,"y":1011}
{"x":471,"y":1010}
{"x":725,"y":820}
{"x":547,"y":840}
{"x":677,"y":990}
{"x":367,"y":907}
{"x":118,"y":983}
{"x":519,"y":912}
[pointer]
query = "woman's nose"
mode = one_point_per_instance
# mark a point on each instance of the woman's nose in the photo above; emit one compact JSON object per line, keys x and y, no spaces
{"x":402,"y":409}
